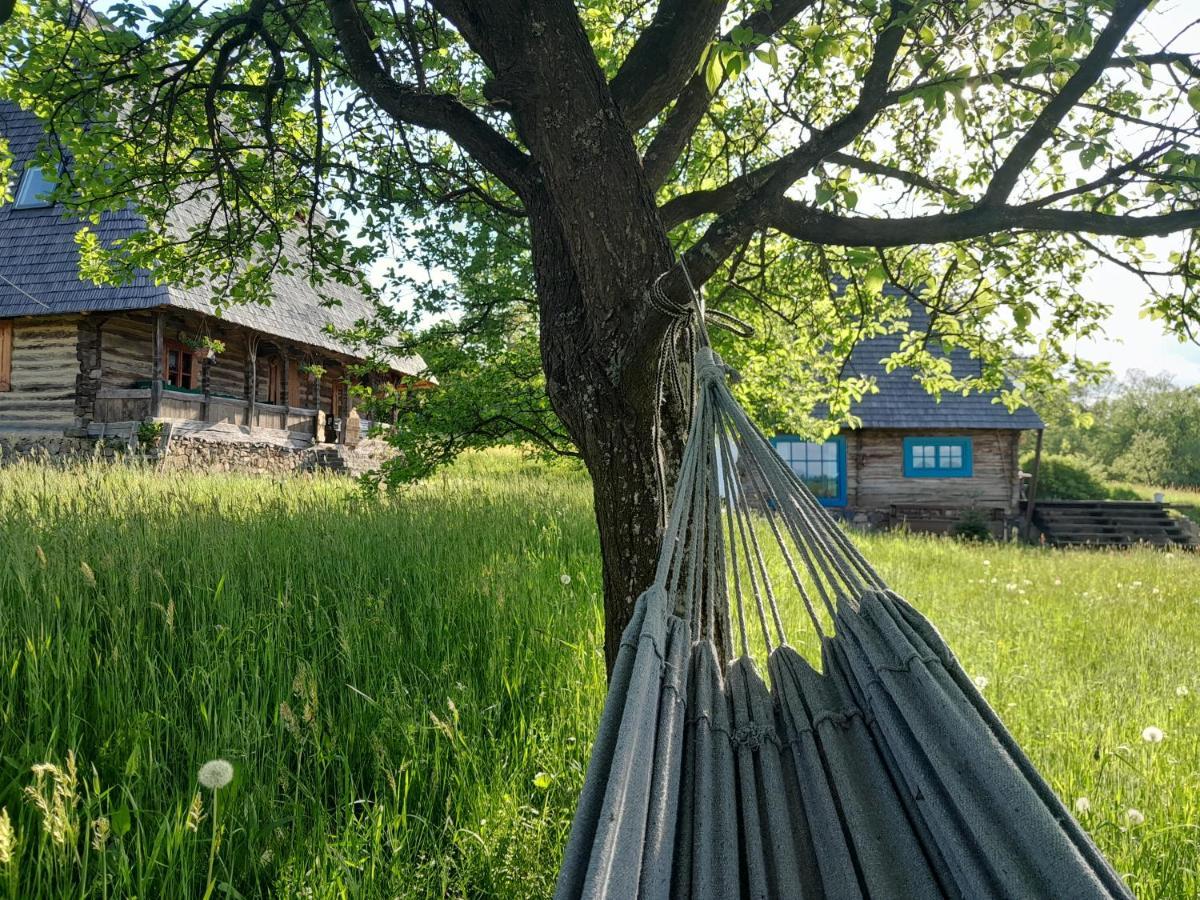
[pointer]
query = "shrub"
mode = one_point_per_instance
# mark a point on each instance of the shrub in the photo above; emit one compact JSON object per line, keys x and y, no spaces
{"x":1123,"y":493}
{"x":1068,"y":477}
{"x":972,"y":526}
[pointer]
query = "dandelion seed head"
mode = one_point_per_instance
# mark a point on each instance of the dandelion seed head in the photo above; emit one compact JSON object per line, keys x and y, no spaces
{"x":1182,"y":691}
{"x":1134,"y":816}
{"x":981,"y":682}
{"x":1152,"y":735}
{"x":564,"y":578}
{"x":1082,"y":806}
{"x":215,"y":774}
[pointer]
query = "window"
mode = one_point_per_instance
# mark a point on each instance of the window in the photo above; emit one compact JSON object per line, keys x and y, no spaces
{"x":33,"y":188}
{"x":821,"y":466}
{"x":179,"y":365}
{"x":937,"y":457}
{"x":274,"y":382}
{"x":6,"y":342}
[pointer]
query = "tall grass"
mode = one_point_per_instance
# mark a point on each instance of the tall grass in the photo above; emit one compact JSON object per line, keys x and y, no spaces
{"x":407,"y":687}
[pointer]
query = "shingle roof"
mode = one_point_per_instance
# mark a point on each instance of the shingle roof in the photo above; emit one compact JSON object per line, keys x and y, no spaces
{"x":903,"y":403}
{"x":39,"y":272}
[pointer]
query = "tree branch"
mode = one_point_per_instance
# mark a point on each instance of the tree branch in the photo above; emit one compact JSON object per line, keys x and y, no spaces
{"x":664,"y":56}
{"x":689,"y":108}
{"x":750,"y":206}
{"x":1016,"y":73}
{"x":807,"y":223}
{"x":723,"y":199}
{"x":1124,"y":13}
{"x":440,"y":112}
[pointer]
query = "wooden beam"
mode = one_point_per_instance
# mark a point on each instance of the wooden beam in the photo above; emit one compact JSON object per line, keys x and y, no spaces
{"x":156,"y":370}
{"x":251,"y":378}
{"x":1031,"y":500}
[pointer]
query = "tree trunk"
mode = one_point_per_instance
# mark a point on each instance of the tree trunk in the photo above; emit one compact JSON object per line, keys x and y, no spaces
{"x":597,"y":246}
{"x":613,"y":424}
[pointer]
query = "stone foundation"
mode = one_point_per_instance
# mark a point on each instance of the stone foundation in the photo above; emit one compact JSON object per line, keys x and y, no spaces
{"x":200,"y":455}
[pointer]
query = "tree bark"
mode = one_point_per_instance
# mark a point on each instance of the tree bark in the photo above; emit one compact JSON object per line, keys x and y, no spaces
{"x":611,"y":420}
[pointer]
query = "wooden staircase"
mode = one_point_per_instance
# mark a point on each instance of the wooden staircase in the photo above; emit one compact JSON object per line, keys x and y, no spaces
{"x":1112,"y":523}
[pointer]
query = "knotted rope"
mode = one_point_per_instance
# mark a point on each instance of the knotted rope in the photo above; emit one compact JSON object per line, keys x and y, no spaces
{"x":739,"y":511}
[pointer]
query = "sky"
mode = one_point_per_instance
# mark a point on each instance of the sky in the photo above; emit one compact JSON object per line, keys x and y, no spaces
{"x":1133,"y":342}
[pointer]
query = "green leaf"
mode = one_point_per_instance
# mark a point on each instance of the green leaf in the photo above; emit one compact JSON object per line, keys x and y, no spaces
{"x":874,"y":280}
{"x":121,"y":821}
{"x":1193,"y":98}
{"x":713,"y":71}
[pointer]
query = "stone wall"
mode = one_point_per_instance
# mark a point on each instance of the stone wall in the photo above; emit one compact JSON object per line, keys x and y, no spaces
{"x":186,"y":454}
{"x":47,"y":448}
{"x":199,"y":455}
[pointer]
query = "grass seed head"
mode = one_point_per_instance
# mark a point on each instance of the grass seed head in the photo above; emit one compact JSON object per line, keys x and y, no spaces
{"x":8,"y":838}
{"x":100,"y":832}
{"x":195,"y":812}
{"x":54,"y":793}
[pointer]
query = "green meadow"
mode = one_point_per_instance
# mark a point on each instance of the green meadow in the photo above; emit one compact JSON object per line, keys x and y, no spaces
{"x":407,"y":686}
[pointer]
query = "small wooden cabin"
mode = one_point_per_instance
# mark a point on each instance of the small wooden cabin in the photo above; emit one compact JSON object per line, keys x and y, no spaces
{"x":915,"y":460}
{"x":80,"y":361}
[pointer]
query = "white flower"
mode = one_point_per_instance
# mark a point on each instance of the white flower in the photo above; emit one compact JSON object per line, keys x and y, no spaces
{"x":1058,"y":582}
{"x":987,"y":562}
{"x":564,"y":578}
{"x":1083,"y":806}
{"x":1152,"y":735}
{"x":215,"y":774}
{"x":1182,"y":691}
{"x":981,"y":682}
{"x":1134,"y":816}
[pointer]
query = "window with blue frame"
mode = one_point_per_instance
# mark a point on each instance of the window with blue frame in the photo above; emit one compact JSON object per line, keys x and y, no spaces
{"x":937,"y":457}
{"x":820,"y":465}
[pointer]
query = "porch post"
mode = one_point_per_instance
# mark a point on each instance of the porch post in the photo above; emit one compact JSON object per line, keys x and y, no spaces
{"x":285,"y":381}
{"x":251,"y":378}
{"x":156,"y":368}
{"x":1031,"y":500}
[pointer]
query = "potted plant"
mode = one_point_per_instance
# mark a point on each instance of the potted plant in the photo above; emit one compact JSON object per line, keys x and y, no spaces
{"x":204,"y":347}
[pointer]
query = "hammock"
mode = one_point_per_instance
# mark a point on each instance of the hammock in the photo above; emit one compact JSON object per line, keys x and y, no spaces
{"x":885,"y":775}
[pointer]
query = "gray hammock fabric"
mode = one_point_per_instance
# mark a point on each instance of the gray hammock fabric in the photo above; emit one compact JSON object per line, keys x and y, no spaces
{"x":884,"y":775}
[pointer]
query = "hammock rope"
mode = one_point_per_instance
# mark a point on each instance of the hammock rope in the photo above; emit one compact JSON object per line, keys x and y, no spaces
{"x":884,"y":774}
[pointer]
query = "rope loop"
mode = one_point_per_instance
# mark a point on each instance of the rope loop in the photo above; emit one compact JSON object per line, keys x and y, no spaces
{"x":714,"y":317}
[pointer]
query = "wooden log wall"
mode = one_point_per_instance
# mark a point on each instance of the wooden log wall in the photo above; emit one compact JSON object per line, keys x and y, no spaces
{"x":126,"y":353}
{"x":44,"y":370}
{"x":875,"y":471}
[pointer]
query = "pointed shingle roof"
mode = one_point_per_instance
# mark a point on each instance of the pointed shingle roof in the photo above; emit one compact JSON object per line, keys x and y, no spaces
{"x":903,"y":403}
{"x":39,"y":272}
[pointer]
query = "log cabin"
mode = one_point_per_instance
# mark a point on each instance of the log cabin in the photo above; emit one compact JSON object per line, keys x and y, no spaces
{"x":915,"y":460}
{"x":81,"y":362}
